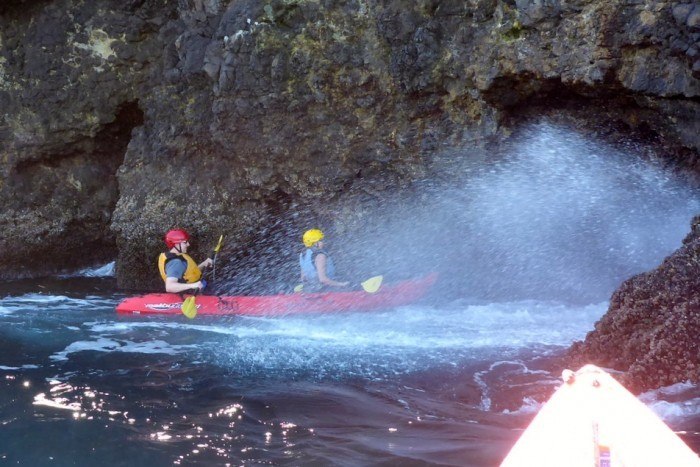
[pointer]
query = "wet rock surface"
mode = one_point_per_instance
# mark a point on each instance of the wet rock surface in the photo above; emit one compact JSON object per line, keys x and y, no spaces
{"x":650,"y":330}
{"x":259,"y":118}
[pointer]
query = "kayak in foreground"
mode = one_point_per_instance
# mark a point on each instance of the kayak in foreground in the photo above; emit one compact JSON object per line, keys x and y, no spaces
{"x":389,"y":295}
{"x":592,"y":420}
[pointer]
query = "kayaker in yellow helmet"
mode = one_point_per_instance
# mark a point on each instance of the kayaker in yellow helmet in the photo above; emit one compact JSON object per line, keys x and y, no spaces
{"x":317,"y":268}
{"x":179,"y":271}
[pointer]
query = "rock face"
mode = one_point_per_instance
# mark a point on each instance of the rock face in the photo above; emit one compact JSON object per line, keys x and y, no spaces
{"x":652,"y":326}
{"x":67,"y":113}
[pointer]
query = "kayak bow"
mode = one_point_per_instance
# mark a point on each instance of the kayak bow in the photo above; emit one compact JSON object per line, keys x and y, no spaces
{"x":593,"y":421}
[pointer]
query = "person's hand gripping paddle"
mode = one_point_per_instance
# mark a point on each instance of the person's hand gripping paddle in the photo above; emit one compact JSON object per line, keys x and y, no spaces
{"x":371,"y":285}
{"x":189,"y":305}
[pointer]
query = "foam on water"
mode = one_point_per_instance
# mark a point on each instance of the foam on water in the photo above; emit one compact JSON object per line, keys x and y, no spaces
{"x":529,"y":406}
{"x":23,"y":367}
{"x":411,"y":338}
{"x":125,"y":328}
{"x":38,"y":298}
{"x":37,"y":301}
{"x":676,"y":402}
{"x":510,"y":324}
{"x":676,"y":410}
{"x":111,"y":345}
{"x":403,"y":340}
{"x":106,"y":270}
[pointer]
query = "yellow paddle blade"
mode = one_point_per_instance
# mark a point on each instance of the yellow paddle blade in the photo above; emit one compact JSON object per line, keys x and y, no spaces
{"x":372,"y":284}
{"x":218,"y":245}
{"x":299,"y":288}
{"x":189,"y":307}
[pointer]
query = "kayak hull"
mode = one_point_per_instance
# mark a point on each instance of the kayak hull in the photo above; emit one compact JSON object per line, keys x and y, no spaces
{"x":389,"y":295}
{"x":592,"y":420}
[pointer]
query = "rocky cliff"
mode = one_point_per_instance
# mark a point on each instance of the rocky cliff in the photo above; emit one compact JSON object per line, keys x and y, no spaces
{"x":652,"y":326}
{"x":122,"y":118}
{"x":259,"y":118}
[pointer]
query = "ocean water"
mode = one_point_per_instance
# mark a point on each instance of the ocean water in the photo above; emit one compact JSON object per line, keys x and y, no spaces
{"x":416,"y":385}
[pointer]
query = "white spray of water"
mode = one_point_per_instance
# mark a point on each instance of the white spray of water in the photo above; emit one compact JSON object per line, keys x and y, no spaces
{"x":555,"y":216}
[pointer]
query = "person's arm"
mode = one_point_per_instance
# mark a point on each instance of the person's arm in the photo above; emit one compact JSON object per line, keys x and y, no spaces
{"x":173,"y":286}
{"x":321,"y":270}
{"x":301,"y":268}
{"x":206,"y":263}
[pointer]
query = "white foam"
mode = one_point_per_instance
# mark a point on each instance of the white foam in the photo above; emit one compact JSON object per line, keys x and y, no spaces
{"x":514,"y":324}
{"x":529,"y":406}
{"x":674,"y":389}
{"x":411,"y":338}
{"x":106,"y":270}
{"x":36,"y":298}
{"x":110,"y":345}
{"x":23,"y":367}
{"x":520,"y":368}
{"x":673,"y":403}
{"x":673,"y":411}
{"x":34,"y":301}
{"x":122,"y":327}
{"x":510,"y":324}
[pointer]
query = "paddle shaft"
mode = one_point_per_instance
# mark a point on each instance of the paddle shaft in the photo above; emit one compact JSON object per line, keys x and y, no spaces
{"x":189,"y":305}
{"x":213,"y":258}
{"x":370,"y":285}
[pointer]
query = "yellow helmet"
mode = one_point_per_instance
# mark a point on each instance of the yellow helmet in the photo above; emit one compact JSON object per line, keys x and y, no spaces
{"x":311,"y":237}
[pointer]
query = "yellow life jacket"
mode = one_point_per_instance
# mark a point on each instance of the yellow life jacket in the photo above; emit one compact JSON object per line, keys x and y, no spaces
{"x":192,"y":273}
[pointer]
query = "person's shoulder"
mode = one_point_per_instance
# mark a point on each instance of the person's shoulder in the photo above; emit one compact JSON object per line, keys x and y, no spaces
{"x":176,"y":265}
{"x":320,"y":253}
{"x":169,"y":255}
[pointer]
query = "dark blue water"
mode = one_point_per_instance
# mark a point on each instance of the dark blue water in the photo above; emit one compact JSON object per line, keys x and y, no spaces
{"x":418,"y":385}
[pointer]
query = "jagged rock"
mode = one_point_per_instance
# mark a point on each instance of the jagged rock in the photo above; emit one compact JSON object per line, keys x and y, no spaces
{"x":651,"y":328}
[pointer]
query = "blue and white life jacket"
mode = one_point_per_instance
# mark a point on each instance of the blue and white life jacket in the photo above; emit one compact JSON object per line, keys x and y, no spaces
{"x":307,"y":261}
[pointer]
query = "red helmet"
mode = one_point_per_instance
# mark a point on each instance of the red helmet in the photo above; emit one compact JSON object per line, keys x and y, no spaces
{"x":175,"y":236}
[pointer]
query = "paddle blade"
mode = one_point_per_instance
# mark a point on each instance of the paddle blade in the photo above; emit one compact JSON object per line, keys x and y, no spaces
{"x":372,"y":284}
{"x":218,"y":245}
{"x":189,"y":307}
{"x":299,"y":288}
{"x":217,"y":248}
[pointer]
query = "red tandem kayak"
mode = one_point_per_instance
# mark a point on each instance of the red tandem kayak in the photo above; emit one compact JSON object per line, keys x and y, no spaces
{"x":389,"y":295}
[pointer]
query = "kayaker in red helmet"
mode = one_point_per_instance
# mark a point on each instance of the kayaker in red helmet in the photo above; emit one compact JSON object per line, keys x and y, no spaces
{"x":317,"y":269}
{"x":179,"y":271}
